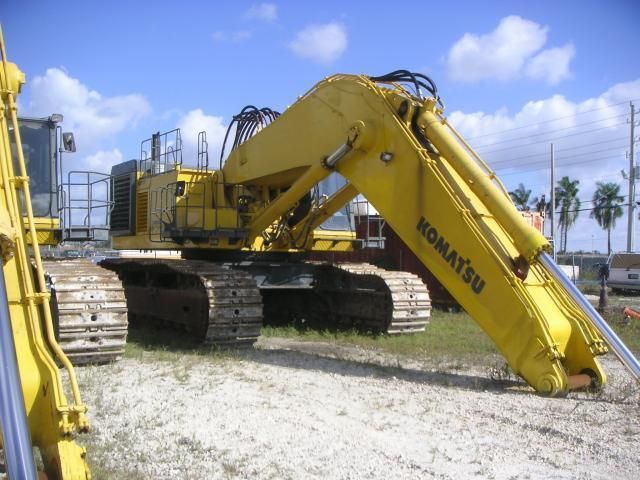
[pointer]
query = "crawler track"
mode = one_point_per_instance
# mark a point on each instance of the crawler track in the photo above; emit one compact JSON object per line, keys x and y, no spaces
{"x":214,"y":303}
{"x":386,"y":301}
{"x":358,"y":296}
{"x":90,"y":310}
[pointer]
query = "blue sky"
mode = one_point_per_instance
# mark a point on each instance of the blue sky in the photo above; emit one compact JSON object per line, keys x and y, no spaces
{"x":121,"y":70}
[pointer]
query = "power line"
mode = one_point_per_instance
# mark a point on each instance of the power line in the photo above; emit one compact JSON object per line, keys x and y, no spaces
{"x":591,"y":144}
{"x":590,"y":209}
{"x":546,"y":168}
{"x":583,"y":200}
{"x":586,"y":200}
{"x":547,"y":140}
{"x":589,"y":200}
{"x":549,"y":131}
{"x":593,"y":208}
{"x":546,"y":154}
{"x":552,"y":120}
{"x":493,"y":164}
{"x":545,"y":186}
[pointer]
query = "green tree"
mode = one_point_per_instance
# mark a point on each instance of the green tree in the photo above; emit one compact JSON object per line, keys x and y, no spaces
{"x":520,"y":197}
{"x":607,"y":207}
{"x":569,"y":205}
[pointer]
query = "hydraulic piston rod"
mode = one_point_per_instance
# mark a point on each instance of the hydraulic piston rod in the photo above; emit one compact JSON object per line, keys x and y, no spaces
{"x":619,"y":348}
{"x":13,"y":417}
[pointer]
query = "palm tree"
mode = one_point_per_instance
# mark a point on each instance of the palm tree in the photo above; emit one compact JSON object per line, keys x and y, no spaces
{"x":569,"y":203}
{"x":520,"y":197}
{"x":607,"y":207}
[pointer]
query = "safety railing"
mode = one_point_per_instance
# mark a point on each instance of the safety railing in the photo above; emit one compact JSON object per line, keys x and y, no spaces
{"x":203,"y":152}
{"x":160,"y":214}
{"x":369,"y":224}
{"x":178,"y":211}
{"x":189,"y":211}
{"x":85,"y":206}
{"x":161,"y":153}
{"x":229,"y":220}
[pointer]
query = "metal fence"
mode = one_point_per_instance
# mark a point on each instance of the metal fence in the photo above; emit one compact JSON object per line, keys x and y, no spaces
{"x":587,"y":265}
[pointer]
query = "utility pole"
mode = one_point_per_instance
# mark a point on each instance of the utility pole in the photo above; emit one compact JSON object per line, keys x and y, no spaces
{"x":632,"y":183}
{"x":553,"y":205}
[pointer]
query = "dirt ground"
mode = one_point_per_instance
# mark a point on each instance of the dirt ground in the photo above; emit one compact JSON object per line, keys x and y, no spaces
{"x":291,"y":410}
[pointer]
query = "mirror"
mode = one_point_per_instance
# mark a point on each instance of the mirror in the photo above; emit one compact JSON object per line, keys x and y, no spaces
{"x":68,"y":142}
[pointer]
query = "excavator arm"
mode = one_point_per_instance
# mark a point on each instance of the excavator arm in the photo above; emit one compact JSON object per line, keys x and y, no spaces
{"x":34,"y":411}
{"x":397,"y":149}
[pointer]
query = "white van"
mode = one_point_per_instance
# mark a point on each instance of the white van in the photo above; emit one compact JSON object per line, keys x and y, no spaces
{"x":624,"y":271}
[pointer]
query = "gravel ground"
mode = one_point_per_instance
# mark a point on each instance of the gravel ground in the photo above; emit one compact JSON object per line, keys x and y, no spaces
{"x":312,"y":410}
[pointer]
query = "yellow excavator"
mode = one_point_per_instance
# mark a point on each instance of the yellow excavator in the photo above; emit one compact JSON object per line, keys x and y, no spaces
{"x":241,"y":225}
{"x":241,"y":228}
{"x":34,"y":410}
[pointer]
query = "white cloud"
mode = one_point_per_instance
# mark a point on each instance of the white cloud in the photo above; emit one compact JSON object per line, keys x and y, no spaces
{"x":90,"y":115}
{"x":552,"y":64}
{"x":190,"y":125}
{"x":263,"y":11}
{"x":102,"y":161}
{"x":267,"y":12}
{"x":320,"y":43}
{"x":510,"y":51}
{"x":590,"y":138}
{"x":237,"y":36}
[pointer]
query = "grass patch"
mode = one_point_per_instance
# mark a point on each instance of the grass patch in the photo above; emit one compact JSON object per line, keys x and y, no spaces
{"x":627,"y":329}
{"x":110,"y":460}
{"x":448,"y":335}
{"x":589,"y":288}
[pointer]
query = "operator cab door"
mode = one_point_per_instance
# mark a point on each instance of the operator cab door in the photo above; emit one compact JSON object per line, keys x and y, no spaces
{"x":39,"y":149}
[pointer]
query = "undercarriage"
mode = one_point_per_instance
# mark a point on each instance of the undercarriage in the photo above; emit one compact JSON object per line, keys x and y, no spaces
{"x":227,"y":303}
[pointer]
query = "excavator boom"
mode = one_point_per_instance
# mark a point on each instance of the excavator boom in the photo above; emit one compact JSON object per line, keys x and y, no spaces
{"x":397,"y":149}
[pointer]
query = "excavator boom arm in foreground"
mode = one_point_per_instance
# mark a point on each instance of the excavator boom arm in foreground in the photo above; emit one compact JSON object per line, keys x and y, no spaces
{"x":34,"y":413}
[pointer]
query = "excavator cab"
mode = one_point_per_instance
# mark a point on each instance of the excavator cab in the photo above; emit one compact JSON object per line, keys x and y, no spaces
{"x":71,"y":205}
{"x":40,"y":149}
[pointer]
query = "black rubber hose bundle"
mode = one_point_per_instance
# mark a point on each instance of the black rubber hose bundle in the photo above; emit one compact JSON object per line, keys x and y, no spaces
{"x":416,"y":79}
{"x":247,"y":123}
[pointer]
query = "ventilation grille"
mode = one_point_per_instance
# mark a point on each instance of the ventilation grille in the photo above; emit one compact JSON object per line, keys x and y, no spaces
{"x":121,"y":221}
{"x":142,"y":212}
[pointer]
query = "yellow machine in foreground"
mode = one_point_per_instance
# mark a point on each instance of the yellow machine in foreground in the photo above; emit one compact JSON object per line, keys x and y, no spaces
{"x":396,"y":148}
{"x":34,"y":409}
